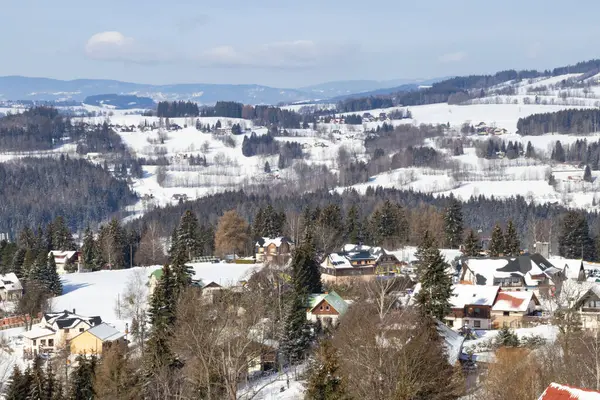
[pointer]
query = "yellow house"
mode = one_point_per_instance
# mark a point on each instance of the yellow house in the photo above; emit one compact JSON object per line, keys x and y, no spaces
{"x":94,"y":339}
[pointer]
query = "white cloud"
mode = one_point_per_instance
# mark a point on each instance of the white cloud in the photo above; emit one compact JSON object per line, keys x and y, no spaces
{"x":114,"y":46}
{"x":453,"y":57}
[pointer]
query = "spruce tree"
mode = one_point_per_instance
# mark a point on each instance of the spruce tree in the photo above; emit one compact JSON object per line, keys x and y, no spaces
{"x":512,"y":246}
{"x":82,"y":378}
{"x":324,"y":381}
{"x":17,"y":263}
{"x":296,"y":336}
{"x":36,"y":390}
{"x":182,"y":273}
{"x":306,"y":274}
{"x":62,"y":239}
{"x":52,"y":278}
{"x":497,"y":242}
{"x":587,"y":174}
{"x":353,"y":225}
{"x":436,"y":287}
{"x":472,"y":246}
{"x":530,"y":152}
{"x":187,"y":237}
{"x":425,"y":252}
{"x":574,"y":239}
{"x":89,"y":250}
{"x":51,"y":388}
{"x":18,"y":385}
{"x":453,"y":224}
{"x":267,"y":168}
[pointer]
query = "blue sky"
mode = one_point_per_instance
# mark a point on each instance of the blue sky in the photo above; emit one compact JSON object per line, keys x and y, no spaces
{"x":290,"y":44}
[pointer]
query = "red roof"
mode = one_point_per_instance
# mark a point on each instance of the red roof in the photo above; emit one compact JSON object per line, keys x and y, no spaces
{"x":563,"y":392}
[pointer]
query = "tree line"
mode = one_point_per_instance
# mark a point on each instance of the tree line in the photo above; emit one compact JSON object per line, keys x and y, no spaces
{"x":574,"y":121}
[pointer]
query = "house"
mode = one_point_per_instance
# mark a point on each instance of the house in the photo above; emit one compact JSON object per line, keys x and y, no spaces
{"x":96,"y":339}
{"x":327,"y":307}
{"x":556,"y":391}
{"x":11,"y":288}
{"x":524,"y":272}
{"x":55,"y":330}
{"x":62,"y":258}
{"x":471,"y":306}
{"x":588,"y":305}
{"x":512,"y":308}
{"x":276,"y":250}
{"x":358,"y":261}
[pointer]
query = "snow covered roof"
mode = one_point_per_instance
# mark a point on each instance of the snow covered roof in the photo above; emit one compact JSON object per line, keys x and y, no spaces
{"x":334,"y":299}
{"x":570,"y":267}
{"x":337,"y":261}
{"x":106,"y":332}
{"x":463,"y":295}
{"x":67,"y":319}
{"x":37,"y":332}
{"x":276,"y":241}
{"x":557,"y":391}
{"x":485,"y":269}
{"x":10,"y":282}
{"x":355,"y":247}
{"x":530,"y":267}
{"x":62,"y":256}
{"x":513,"y":301}
{"x":453,"y":342}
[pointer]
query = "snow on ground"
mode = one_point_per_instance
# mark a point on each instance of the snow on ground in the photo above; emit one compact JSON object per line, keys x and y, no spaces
{"x":548,"y":332}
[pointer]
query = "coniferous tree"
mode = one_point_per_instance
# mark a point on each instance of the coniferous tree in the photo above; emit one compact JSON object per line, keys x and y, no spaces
{"x":182,"y":273}
{"x":472,"y":246}
{"x":62,"y":239}
{"x":82,"y":378}
{"x":512,"y":246}
{"x":187,"y":237}
{"x":17,"y":262}
{"x":574,"y":240}
{"x":296,"y":335}
{"x":497,"y":242}
{"x":433,"y":298}
{"x":425,"y":252}
{"x":453,"y":221}
{"x":587,"y":174}
{"x":530,"y":152}
{"x":18,"y":385}
{"x":267,"y":168}
{"x":38,"y":381}
{"x":324,"y":381}
{"x":558,"y":154}
{"x":305,"y":269}
{"x":52,"y":387}
{"x":353,"y":225}
{"x":389,"y":225}
{"x":89,"y":250}
{"x":52,"y":277}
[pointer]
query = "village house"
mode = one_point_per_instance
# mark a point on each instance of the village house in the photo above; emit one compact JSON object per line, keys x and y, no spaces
{"x":63,"y":258}
{"x":587,"y":304}
{"x":275,"y":250}
{"x":11,"y":288}
{"x":472,"y":306}
{"x":327,"y":307}
{"x":556,"y":391}
{"x":96,"y":339}
{"x":55,"y":330}
{"x":525,"y":272}
{"x":513,"y":308}
{"x":358,"y":261}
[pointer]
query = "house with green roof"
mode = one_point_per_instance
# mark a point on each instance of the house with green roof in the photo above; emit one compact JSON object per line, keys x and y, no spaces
{"x":327,"y":307}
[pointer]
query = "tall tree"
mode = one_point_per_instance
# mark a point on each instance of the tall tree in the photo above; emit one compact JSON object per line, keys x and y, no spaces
{"x":62,"y":239}
{"x":353,"y":228}
{"x":82,"y":378}
{"x":296,"y":336}
{"x":232,"y":234}
{"x":497,"y":242}
{"x":89,"y":250}
{"x":436,"y":286}
{"x":187,"y":237}
{"x":472,"y":245}
{"x":306,"y":275}
{"x":325,"y":381}
{"x":587,"y":174}
{"x":512,"y":245}
{"x":389,"y":225}
{"x":18,"y":385}
{"x":453,"y":220}
{"x":574,"y":239}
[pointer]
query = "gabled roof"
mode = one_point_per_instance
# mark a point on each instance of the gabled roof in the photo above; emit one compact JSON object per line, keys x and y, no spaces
{"x":453,"y":342}
{"x":10,"y":282}
{"x":557,"y":391}
{"x":332,"y":298}
{"x":38,"y":332}
{"x":67,"y":319}
{"x":278,"y":241}
{"x":60,"y":255}
{"x":463,"y":295}
{"x":106,"y":332}
{"x":513,"y":301}
{"x":528,"y":267}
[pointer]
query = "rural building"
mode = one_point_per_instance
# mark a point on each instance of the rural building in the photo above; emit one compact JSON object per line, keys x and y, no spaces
{"x":472,"y":306}
{"x":55,"y":330}
{"x":358,"y":261}
{"x":327,"y":307}
{"x":588,"y":305}
{"x":556,"y":391}
{"x":11,"y":288}
{"x":277,"y":250}
{"x":512,"y":308}
{"x":96,"y":339}
{"x":62,"y":258}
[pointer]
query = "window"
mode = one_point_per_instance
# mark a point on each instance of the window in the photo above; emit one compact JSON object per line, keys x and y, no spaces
{"x":66,"y":331}
{"x":321,"y":308}
{"x":51,"y":342}
{"x":81,"y":329}
{"x":506,"y":313}
{"x":33,"y":341}
{"x":477,"y":324}
{"x":43,"y":342}
{"x":327,"y":308}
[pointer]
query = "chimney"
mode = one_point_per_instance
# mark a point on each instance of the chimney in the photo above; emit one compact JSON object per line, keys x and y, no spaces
{"x":73,"y":311}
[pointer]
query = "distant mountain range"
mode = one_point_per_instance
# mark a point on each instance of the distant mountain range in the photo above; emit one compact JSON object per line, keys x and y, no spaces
{"x":25,"y":88}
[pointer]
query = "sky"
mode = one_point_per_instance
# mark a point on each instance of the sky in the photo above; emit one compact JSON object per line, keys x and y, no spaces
{"x":290,"y":44}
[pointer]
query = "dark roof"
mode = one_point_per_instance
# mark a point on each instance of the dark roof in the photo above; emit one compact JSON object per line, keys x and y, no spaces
{"x":361,"y":255}
{"x":67,"y":319}
{"x":523,"y":264}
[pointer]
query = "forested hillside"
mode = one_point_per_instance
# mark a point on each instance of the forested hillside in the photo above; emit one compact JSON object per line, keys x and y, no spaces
{"x":35,"y":191}
{"x":582,"y":121}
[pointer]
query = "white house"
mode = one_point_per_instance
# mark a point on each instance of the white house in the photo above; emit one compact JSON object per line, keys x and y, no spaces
{"x":10,"y":287}
{"x":61,"y":258}
{"x":471,"y":306}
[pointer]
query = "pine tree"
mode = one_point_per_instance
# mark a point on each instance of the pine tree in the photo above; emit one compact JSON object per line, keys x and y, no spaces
{"x":17,"y":262}
{"x":267,"y":168}
{"x":512,"y":246}
{"x":89,"y":250}
{"x":296,"y":336}
{"x":436,"y":286}
{"x":281,"y":162}
{"x":587,"y":174}
{"x":182,"y":273}
{"x":306,"y":274}
{"x":472,"y":246}
{"x":82,"y":378}
{"x":36,"y":391}
{"x":497,"y":242}
{"x":425,"y":252}
{"x":18,"y":385}
{"x":324,"y":381}
{"x":453,"y":221}
{"x":574,"y":240}
{"x":353,"y":225}
{"x":61,"y":235}
{"x":530,"y":152}
{"x":51,"y":388}
{"x":507,"y":338}
{"x":187,"y":237}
